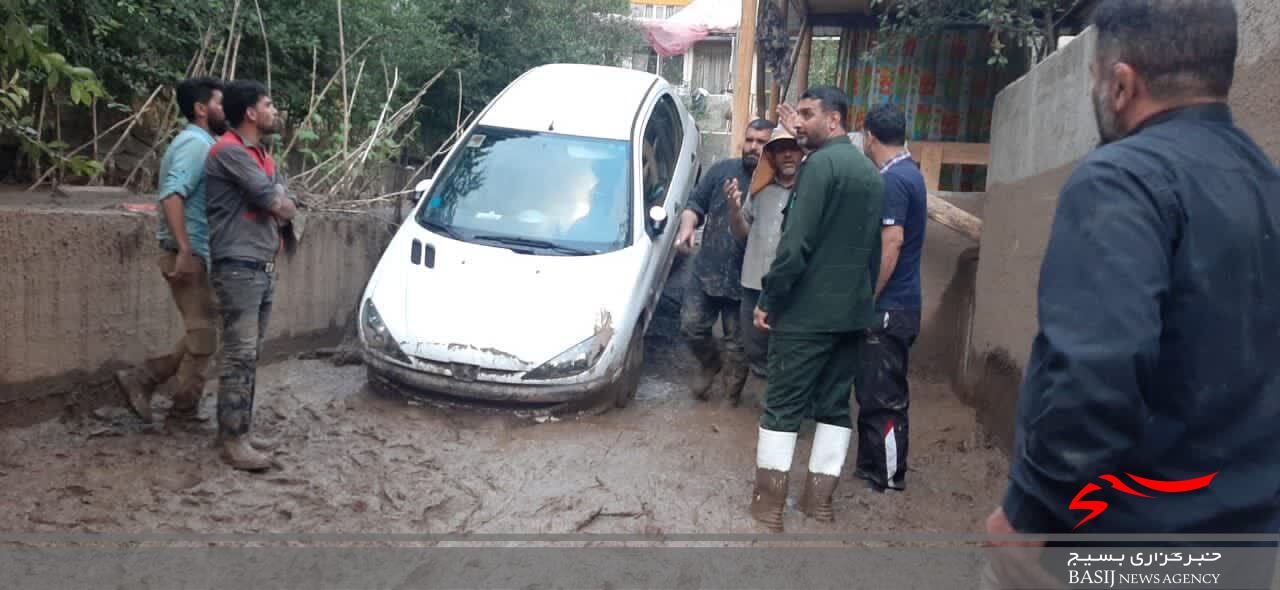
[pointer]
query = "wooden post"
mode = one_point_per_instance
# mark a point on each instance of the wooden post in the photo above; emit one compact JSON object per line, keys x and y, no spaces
{"x":842,"y":57}
{"x":803,"y":61}
{"x":762,"y":95}
{"x":930,"y":156}
{"x":743,"y":66}
{"x":775,"y":89}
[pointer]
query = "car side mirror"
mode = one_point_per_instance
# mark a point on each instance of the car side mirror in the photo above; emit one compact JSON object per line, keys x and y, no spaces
{"x":419,"y":190}
{"x":657,"y":220}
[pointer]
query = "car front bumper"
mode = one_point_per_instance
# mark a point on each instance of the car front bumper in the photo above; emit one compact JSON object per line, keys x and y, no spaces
{"x":487,"y":391}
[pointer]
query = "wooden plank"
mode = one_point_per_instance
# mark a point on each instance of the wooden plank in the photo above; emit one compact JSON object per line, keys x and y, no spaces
{"x":957,"y":152}
{"x":770,"y":111}
{"x":930,"y":157}
{"x":954,"y":218}
{"x":743,"y":66}
{"x":801,"y":71}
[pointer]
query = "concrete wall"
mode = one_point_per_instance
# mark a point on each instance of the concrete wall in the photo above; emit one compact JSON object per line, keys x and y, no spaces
{"x":948,"y":273}
{"x":1043,"y":126}
{"x":82,"y":295}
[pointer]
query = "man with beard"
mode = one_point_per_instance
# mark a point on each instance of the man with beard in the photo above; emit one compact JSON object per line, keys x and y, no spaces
{"x":717,"y":268}
{"x":759,"y":224}
{"x":816,"y":299}
{"x":184,"y":237}
{"x":1156,"y":352}
{"x":247,"y":205}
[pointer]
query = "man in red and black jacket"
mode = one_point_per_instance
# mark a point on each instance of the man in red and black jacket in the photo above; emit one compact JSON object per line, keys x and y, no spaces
{"x":247,"y":204}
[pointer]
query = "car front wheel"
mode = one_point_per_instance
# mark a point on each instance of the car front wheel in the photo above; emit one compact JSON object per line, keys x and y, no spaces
{"x":633,"y":367}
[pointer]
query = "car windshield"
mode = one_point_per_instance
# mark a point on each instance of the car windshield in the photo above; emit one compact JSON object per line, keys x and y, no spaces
{"x":531,"y":191}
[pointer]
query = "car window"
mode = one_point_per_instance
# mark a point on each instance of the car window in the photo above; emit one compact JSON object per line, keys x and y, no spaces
{"x":567,"y":190}
{"x":663,"y":136}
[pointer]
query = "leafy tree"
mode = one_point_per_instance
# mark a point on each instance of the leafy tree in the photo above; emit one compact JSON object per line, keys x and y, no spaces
{"x":136,"y":46}
{"x":28,"y":63}
{"x":1026,"y":24}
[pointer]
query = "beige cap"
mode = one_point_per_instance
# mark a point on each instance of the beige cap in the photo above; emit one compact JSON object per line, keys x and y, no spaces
{"x":763,"y":175}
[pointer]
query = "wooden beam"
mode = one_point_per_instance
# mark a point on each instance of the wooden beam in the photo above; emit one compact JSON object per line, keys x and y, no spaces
{"x":954,"y":218}
{"x":957,"y":152}
{"x":794,"y":61}
{"x":743,"y":66}
{"x":930,"y":157}
{"x":804,"y":59}
{"x":775,"y":89}
{"x":762,"y":96}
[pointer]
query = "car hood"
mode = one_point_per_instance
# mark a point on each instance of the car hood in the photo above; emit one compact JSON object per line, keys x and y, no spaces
{"x":497,"y":309}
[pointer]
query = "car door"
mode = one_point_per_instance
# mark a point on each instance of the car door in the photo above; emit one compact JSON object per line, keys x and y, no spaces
{"x":664,"y":178}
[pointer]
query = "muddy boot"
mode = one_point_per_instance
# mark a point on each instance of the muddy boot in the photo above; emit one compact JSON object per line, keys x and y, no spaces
{"x":773,"y":465}
{"x":137,"y":390}
{"x":239,"y":453}
{"x":262,"y":443}
{"x":709,"y":365}
{"x":733,"y":379}
{"x":185,"y":408}
{"x":256,"y":441}
{"x":830,"y":447}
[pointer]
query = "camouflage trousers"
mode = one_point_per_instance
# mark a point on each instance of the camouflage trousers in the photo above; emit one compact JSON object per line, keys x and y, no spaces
{"x":244,"y":302}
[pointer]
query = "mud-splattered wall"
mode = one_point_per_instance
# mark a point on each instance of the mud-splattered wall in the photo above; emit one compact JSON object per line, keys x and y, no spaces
{"x":81,"y":294}
{"x":1043,"y":125}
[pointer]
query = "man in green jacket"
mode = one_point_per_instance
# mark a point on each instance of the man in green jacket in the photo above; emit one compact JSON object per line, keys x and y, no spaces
{"x":816,"y":298}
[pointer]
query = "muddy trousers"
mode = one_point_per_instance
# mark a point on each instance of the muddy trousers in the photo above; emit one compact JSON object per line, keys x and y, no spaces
{"x":189,"y":360}
{"x":755,"y":342}
{"x":244,"y":299}
{"x":883,"y":395}
{"x":810,"y":375}
{"x":698,"y":314}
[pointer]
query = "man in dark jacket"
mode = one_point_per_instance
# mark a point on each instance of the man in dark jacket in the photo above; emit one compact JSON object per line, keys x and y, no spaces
{"x":1155,"y":369}
{"x":715,"y":291}
{"x":248,"y":202}
{"x":816,"y":298}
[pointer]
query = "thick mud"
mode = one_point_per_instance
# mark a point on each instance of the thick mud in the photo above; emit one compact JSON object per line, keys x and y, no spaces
{"x":351,"y":461}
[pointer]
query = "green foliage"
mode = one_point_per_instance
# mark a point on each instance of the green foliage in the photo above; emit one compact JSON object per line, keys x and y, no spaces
{"x":28,"y":62}
{"x":135,"y":46}
{"x":1025,"y":24}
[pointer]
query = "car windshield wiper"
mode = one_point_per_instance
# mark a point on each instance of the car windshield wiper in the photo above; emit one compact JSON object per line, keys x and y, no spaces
{"x":533,"y":243}
{"x":438,"y":227}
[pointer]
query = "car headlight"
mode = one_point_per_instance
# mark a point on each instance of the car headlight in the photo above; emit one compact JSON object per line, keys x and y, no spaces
{"x":578,"y":359}
{"x":377,"y":336}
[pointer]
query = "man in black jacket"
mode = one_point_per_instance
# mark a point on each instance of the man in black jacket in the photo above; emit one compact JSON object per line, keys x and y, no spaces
{"x":1156,"y":368}
{"x":716,"y":289}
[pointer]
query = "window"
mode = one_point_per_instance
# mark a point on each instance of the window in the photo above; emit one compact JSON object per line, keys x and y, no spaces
{"x":663,"y":137}
{"x":565,"y":191}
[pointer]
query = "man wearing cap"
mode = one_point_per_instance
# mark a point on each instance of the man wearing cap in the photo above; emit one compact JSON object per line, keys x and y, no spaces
{"x":758,"y":222}
{"x":714,"y":293}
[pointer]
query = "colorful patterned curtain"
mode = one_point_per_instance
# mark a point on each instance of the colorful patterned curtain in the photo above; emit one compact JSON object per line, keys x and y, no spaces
{"x":944,"y":85}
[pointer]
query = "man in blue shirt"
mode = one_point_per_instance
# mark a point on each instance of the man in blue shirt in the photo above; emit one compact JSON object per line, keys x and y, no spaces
{"x":184,"y":238}
{"x":881,"y":381}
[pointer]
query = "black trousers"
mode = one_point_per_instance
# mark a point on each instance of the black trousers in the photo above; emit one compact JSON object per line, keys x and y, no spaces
{"x":754,"y":342}
{"x":880,"y":386}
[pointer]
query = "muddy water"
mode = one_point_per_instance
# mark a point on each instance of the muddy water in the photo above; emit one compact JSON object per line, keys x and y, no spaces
{"x":351,"y":461}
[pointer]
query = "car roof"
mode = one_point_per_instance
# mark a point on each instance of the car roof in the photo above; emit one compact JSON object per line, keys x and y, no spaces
{"x":592,"y":101}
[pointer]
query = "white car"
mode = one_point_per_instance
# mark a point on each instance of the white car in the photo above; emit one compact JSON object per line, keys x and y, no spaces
{"x":530,"y":266}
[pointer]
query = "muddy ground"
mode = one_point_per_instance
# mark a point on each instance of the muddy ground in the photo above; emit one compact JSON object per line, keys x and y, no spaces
{"x":351,"y":461}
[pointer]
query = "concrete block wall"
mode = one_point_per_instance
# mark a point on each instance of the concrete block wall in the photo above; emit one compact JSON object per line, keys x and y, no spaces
{"x":1042,"y":127}
{"x":82,"y":295}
